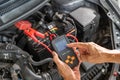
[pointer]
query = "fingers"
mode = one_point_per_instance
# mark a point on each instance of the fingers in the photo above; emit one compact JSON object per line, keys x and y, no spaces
{"x":77,"y":67}
{"x":81,"y":46}
{"x":76,"y":44}
{"x":78,"y":56}
{"x":73,"y":44}
{"x":75,"y":50}
{"x":77,"y":53}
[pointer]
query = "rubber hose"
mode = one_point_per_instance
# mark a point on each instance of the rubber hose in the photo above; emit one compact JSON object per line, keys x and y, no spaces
{"x":40,"y":62}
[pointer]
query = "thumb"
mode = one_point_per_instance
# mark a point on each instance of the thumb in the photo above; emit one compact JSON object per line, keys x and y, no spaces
{"x":55,"y":57}
{"x":54,"y":54}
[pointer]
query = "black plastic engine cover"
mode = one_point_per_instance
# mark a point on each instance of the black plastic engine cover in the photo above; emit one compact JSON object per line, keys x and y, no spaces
{"x":87,"y":20}
{"x":67,"y":5}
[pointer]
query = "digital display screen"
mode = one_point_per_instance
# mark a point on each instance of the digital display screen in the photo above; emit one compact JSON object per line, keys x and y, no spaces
{"x":61,"y":45}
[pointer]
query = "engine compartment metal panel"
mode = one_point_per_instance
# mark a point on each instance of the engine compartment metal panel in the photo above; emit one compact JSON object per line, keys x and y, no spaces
{"x":21,"y":12}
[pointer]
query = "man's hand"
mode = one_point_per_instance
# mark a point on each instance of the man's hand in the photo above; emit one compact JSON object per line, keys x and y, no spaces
{"x":90,"y":52}
{"x":66,"y":72}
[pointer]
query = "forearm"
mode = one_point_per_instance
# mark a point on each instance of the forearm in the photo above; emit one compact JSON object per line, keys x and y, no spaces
{"x":70,"y":79}
{"x":73,"y":77}
{"x":112,"y":56}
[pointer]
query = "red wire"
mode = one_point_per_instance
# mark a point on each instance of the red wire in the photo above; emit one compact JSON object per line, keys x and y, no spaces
{"x":51,"y":36}
{"x":69,"y":35}
{"x":44,"y":45}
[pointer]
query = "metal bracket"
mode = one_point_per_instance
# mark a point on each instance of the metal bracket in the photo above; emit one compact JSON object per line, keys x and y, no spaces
{"x":113,"y":11}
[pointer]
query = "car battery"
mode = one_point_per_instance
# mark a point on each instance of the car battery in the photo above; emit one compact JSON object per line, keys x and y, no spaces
{"x":87,"y":21}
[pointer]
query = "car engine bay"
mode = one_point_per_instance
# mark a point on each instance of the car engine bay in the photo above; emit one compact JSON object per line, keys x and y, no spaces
{"x":24,"y":56}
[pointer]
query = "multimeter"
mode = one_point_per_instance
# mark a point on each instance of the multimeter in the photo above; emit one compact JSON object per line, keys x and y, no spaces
{"x":65,"y":53}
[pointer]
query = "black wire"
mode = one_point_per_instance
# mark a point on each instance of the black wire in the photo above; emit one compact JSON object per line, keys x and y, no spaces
{"x":72,"y":21}
{"x":7,"y":33}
